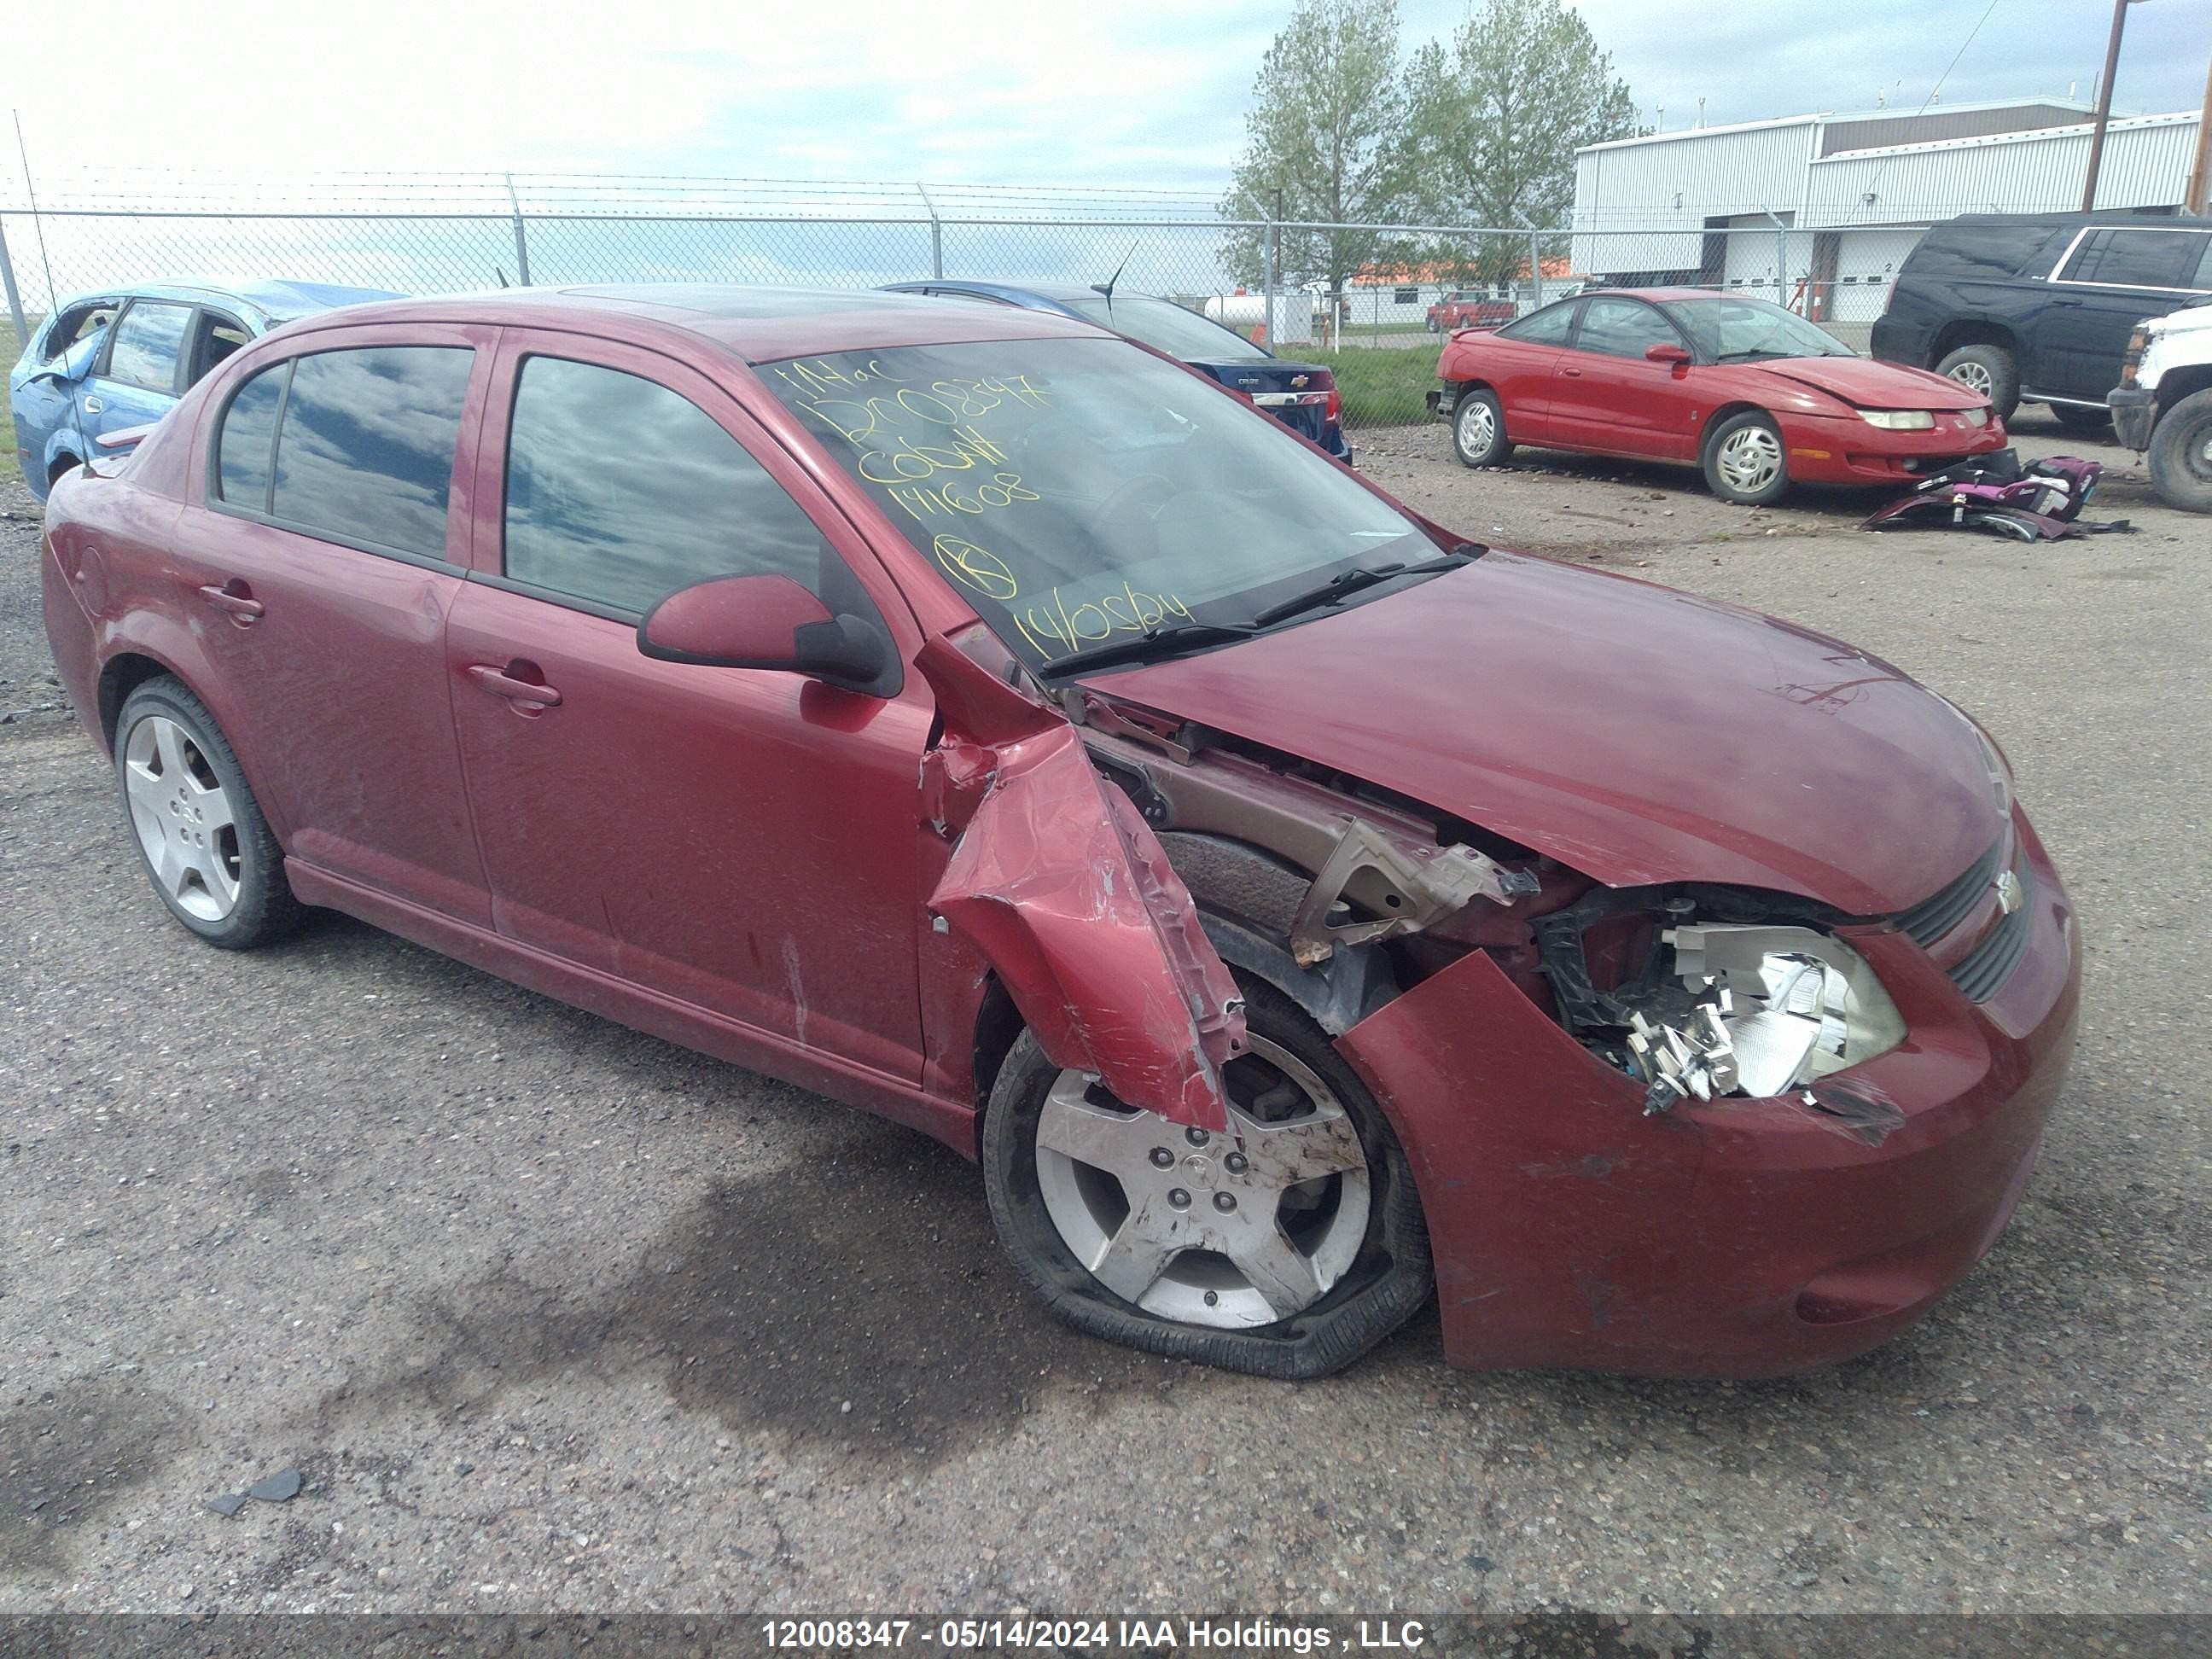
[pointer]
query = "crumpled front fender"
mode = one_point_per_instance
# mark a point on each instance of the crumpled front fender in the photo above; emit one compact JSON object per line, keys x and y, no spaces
{"x":1057,"y":880}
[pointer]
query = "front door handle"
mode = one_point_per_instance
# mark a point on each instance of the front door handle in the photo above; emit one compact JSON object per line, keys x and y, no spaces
{"x":1574,"y":373}
{"x":236,"y":599}
{"x":508,"y":682}
{"x":92,"y":405}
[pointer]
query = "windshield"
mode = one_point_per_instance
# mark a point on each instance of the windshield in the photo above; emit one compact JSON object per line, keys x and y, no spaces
{"x":1076,"y":491}
{"x":1727,"y":329}
{"x":1166,"y":326}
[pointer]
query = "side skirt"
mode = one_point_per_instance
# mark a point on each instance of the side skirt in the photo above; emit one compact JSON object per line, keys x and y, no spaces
{"x":682,"y":1022}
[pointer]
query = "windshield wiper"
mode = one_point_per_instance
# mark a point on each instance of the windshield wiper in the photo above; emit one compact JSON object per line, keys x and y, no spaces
{"x":1157,"y":640}
{"x":1346,"y":583}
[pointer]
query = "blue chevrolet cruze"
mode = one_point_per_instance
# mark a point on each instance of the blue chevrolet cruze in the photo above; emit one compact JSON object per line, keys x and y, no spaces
{"x":120,"y":357}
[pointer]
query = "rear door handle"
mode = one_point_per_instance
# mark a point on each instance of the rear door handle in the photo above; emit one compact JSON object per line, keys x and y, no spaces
{"x":507,"y":683}
{"x":235,"y":598}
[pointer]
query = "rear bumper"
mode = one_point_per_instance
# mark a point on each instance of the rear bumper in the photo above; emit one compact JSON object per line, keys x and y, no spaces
{"x":2134,"y":411}
{"x":1738,"y":1238}
{"x":1849,"y":452}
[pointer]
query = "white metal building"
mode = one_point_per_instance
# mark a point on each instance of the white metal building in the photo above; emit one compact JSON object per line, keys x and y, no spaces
{"x":1838,"y":200}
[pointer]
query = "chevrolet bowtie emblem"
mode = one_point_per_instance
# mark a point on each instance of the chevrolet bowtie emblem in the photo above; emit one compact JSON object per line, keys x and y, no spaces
{"x":2007,"y":886}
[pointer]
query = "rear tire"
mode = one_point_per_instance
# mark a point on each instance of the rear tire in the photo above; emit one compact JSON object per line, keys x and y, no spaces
{"x":1744,"y":462}
{"x":1360,"y":1252}
{"x":1988,"y":370}
{"x":199,"y":834}
{"x":2075,"y":418}
{"x":1479,"y":429}
{"x":2181,"y":454}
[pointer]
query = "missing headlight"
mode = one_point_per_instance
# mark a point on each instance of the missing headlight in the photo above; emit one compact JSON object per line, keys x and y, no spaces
{"x":1705,"y":1010}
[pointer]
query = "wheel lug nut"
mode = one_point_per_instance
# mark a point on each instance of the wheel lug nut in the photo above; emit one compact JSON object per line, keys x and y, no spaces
{"x":1214,"y":1298}
{"x":1162,"y":1158}
{"x":1196,"y":1137}
{"x":1179,"y":1198}
{"x":1237,"y":1162}
{"x":1224,"y":1202}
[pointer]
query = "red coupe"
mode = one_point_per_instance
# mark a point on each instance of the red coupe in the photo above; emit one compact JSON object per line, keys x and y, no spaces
{"x":979,"y":718}
{"x":1755,"y":395}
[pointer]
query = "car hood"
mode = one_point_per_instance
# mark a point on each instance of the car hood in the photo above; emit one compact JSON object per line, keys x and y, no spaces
{"x":1867,"y":383}
{"x":1632,"y":732}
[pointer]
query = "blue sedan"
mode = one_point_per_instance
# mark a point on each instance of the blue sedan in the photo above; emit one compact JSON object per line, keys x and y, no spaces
{"x":121,"y":357}
{"x":1302,"y":396}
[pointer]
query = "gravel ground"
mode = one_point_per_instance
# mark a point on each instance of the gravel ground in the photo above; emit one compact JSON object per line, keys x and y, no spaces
{"x":555,"y":1316}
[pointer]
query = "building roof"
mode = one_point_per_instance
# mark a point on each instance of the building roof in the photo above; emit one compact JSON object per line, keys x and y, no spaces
{"x":1892,"y":112}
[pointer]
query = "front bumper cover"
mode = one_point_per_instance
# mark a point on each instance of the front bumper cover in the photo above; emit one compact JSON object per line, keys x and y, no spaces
{"x":1734,"y":1239}
{"x":2134,"y":411}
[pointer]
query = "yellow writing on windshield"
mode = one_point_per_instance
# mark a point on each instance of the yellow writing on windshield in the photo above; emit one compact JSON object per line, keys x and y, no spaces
{"x":976,"y":567}
{"x":1127,"y":610}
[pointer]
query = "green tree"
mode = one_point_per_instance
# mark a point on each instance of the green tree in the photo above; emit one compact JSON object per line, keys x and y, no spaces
{"x":1327,"y":110}
{"x":1492,"y":120}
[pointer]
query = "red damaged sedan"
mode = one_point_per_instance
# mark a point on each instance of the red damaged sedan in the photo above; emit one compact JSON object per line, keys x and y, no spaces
{"x":1754,"y":395}
{"x":1297,"y":911}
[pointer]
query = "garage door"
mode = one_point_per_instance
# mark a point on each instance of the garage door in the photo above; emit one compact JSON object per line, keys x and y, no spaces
{"x":1867,"y":262}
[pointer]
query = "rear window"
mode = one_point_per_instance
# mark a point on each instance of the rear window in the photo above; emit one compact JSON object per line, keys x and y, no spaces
{"x":1984,"y":249}
{"x":1544,"y":327}
{"x":1166,"y":326}
{"x":366,"y":453}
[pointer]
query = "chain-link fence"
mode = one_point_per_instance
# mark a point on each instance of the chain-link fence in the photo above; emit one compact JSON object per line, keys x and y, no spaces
{"x":1370,"y":301}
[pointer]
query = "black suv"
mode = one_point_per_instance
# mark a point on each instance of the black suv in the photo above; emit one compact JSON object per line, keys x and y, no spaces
{"x":2037,"y":307}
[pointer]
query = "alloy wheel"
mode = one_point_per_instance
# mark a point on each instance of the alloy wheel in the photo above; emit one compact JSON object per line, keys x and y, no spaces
{"x":186,"y":825}
{"x":1975,"y":377}
{"x":1750,"y":458}
{"x":1478,"y":426}
{"x":1229,"y":1230}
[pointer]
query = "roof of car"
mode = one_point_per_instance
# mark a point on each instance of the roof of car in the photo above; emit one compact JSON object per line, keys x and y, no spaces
{"x":1665,"y":294}
{"x":758,"y":323}
{"x":276,"y":301}
{"x":1059,"y":292}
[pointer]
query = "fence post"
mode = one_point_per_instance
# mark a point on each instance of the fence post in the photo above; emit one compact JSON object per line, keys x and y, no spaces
{"x":936,"y":234}
{"x":1781,"y":258}
{"x":1268,"y":282}
{"x":1535,"y":273}
{"x":14,"y":300}
{"x":521,"y":242}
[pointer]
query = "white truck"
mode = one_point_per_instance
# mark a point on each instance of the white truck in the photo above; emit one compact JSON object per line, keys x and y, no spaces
{"x":2163,"y":404}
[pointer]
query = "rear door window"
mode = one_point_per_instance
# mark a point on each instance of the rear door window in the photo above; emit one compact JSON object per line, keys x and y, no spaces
{"x":246,"y":439}
{"x":148,"y":343}
{"x":2134,"y":258}
{"x":366,"y":453}
{"x":620,"y":523}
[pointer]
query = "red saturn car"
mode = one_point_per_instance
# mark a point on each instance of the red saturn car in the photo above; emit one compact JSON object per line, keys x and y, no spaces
{"x":1755,"y":395}
{"x":1295,"y":909}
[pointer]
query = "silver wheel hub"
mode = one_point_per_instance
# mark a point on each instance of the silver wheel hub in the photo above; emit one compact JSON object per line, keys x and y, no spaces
{"x":1477,"y":426}
{"x":1230,"y":1230}
{"x":1975,"y":377}
{"x":1750,"y":457}
{"x":185,"y":821}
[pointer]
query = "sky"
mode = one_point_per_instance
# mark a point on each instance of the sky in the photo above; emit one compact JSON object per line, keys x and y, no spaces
{"x":1135,"y":93}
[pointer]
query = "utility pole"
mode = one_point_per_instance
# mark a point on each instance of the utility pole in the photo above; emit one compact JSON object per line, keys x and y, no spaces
{"x":2104,"y":104}
{"x":2200,"y":175}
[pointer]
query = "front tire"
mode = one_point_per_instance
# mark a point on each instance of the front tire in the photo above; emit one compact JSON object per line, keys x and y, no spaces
{"x":1744,"y":462}
{"x":1286,"y":1248}
{"x":209,"y":854}
{"x":2181,"y":454}
{"x":1987,"y":370}
{"x":1479,"y":429}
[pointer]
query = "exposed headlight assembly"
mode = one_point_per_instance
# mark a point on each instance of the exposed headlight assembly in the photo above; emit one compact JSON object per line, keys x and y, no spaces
{"x":1775,"y":1009}
{"x":1899,"y":420}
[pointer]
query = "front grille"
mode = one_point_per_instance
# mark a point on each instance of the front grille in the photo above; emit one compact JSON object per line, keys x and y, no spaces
{"x":1929,"y":919}
{"x":1990,"y":963}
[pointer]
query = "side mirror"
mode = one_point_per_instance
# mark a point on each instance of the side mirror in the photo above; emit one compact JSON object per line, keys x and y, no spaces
{"x":767,"y":621}
{"x":1666,"y":352}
